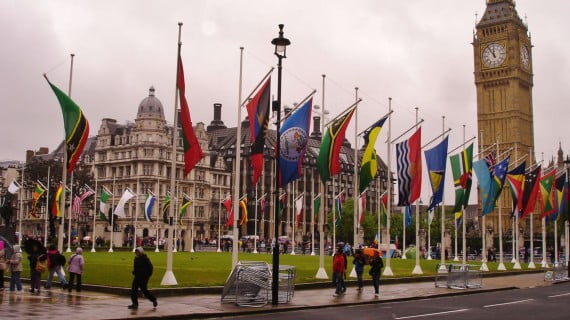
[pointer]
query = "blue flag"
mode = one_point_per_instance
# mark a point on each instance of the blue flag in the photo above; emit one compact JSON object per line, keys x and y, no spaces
{"x":499,"y":175}
{"x":436,"y":160}
{"x":293,"y":137}
{"x":408,"y":216}
{"x":487,"y":195}
{"x":148,"y":204}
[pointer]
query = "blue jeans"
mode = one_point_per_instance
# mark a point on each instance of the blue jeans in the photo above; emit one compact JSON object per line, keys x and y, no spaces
{"x":376,"y":282}
{"x":359,"y":279}
{"x":60,"y":275}
{"x":15,"y":281}
{"x":339,"y":282}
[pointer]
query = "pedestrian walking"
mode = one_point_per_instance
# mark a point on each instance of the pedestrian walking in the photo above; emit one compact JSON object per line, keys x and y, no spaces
{"x":376,"y":265}
{"x":75,"y":269}
{"x":15,"y":266}
{"x":37,"y":266}
{"x":339,"y":267}
{"x":2,"y":264}
{"x":359,"y":267}
{"x":142,"y":271}
{"x":55,"y":263}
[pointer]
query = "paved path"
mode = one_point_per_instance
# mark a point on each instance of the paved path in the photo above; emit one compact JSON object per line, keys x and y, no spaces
{"x":58,"y":304}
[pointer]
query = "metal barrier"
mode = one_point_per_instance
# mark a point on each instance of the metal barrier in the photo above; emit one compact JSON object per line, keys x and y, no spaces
{"x":463,"y":276}
{"x":249,"y":284}
{"x":560,"y":272}
{"x":441,"y":276}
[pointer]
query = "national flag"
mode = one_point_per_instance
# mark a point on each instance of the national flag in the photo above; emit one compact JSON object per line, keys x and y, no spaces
{"x":361,"y":207}
{"x":316,"y":206}
{"x":103,"y":198}
{"x":339,"y":205}
{"x":431,"y":214}
{"x":546,"y":187}
{"x":461,"y":167}
{"x":484,"y":178}
{"x":38,"y":192}
{"x":55,"y":210}
{"x":258,"y":113}
{"x":14,"y":187}
{"x":408,"y":215}
{"x":281,"y":204}
{"x":165,"y":209}
{"x":76,"y":206}
{"x":491,"y":159}
{"x":436,"y":161}
{"x":369,"y":164}
{"x":192,"y":150}
{"x":293,"y":137}
{"x":515,"y":178}
{"x":409,"y":163}
{"x":499,"y":175}
{"x":78,"y":200}
{"x":384,"y":207}
{"x":182,"y":212}
{"x":244,"y":213}
{"x":299,"y":209}
{"x":120,"y":208}
{"x":229,"y":210}
{"x":530,"y":191}
{"x":75,"y":124}
{"x":148,"y":204}
{"x":328,"y":161}
{"x":560,"y":199}
{"x":262,"y":206}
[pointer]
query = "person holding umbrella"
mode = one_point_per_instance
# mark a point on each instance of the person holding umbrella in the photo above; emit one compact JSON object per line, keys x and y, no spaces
{"x":37,"y":257}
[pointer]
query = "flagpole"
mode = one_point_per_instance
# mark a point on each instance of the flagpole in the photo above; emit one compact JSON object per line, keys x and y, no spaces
{"x":531,"y":264}
{"x":293,"y":217}
{"x":334,"y":216}
{"x":555,"y":262}
{"x":483,"y":226}
{"x":136,"y":216}
{"x":355,"y":193}
{"x":388,"y":268}
{"x":70,"y":213}
{"x":236,"y":168}
{"x":255,"y":224}
{"x":169,"y":279}
{"x":543,"y":263}
{"x":94,"y":207}
{"x":193,"y":219}
{"x":464,"y":242}
{"x":47,"y":207}
{"x":417,"y":268}
{"x":157,"y":214}
{"x":175,"y":231}
{"x":442,"y":251}
{"x":219,"y":216}
{"x":517,"y":265}
{"x":321,"y":273}
{"x":501,"y":266}
{"x":112,"y":216}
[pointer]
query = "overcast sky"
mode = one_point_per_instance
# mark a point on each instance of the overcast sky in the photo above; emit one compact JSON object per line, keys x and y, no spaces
{"x":417,"y":52}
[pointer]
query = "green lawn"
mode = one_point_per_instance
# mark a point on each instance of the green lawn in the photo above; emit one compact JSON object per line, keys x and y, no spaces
{"x":212,"y":269}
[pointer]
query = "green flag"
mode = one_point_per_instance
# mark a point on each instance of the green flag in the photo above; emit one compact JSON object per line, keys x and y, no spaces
{"x":185,"y":203}
{"x":369,"y":165}
{"x":328,"y":162}
{"x":462,"y":168}
{"x":316,"y":206}
{"x":104,"y":197}
{"x":165,"y":206}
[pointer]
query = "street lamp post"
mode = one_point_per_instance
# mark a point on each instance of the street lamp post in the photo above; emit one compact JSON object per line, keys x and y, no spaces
{"x":280,"y":44}
{"x":567,"y":165}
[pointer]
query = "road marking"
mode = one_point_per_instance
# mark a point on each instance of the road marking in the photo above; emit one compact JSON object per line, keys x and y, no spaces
{"x":506,"y":303}
{"x":559,"y":295}
{"x":431,"y":314}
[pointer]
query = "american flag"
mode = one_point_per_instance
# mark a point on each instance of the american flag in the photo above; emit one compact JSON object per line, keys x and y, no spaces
{"x":491,"y":160}
{"x":76,"y":207}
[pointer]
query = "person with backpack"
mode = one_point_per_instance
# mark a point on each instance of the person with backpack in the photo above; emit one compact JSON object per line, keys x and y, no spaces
{"x":55,"y":263}
{"x":358,"y":267}
{"x":375,"y":270}
{"x":142,"y":271}
{"x":75,"y":269}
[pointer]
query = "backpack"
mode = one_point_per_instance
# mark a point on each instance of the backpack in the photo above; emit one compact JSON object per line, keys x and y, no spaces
{"x":60,"y":259}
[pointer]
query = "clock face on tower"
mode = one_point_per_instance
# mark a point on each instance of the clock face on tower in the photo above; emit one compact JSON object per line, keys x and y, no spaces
{"x":525,"y":56}
{"x":493,"y":55}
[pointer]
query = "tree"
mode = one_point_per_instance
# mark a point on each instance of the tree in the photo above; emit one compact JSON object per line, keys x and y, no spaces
{"x":345,"y":226}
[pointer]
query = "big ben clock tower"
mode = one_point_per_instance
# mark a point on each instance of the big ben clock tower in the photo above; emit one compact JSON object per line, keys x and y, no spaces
{"x":504,"y":80}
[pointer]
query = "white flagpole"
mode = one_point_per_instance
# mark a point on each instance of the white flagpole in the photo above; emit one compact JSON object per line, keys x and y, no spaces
{"x":69,"y":216}
{"x":464,"y":225}
{"x":321,"y":273}
{"x":94,"y":207}
{"x":169,"y":279}
{"x":404,"y":234}
{"x":112,"y":216}
{"x":483,"y":225}
{"x":555,"y":262}
{"x":531,"y":264}
{"x":21,"y":213}
{"x":293,"y":211}
{"x":388,"y":268}
{"x":157,"y":214}
{"x":47,"y":207}
{"x":517,"y":265}
{"x":334,"y":216}
{"x":255,"y":223}
{"x":219,"y":217}
{"x":501,"y":266}
{"x":237,"y":163}
{"x":193,"y":219}
{"x":136,"y":216}
{"x":355,"y":192}
{"x":175,"y":233}
{"x":543,"y":263}
{"x":442,"y":268}
{"x":418,"y":267}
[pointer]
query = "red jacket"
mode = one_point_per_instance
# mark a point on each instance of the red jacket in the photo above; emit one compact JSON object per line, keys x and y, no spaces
{"x":338,"y":262}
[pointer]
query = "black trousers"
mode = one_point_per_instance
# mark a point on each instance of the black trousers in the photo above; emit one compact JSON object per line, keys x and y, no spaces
{"x":142,"y":284}
{"x":72,"y":277}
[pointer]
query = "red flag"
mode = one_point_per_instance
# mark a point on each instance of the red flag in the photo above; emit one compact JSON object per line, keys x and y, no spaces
{"x":258,"y":113}
{"x":416,"y":164}
{"x":192,"y":150}
{"x":228,"y":205}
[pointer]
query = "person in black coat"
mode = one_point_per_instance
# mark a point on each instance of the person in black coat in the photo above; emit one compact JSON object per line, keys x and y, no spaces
{"x":142,"y":271}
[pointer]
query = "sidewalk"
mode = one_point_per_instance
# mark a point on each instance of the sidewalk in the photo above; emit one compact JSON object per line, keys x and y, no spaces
{"x":58,"y":304}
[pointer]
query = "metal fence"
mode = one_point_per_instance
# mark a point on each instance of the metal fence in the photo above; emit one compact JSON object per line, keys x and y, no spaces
{"x":459,"y":276}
